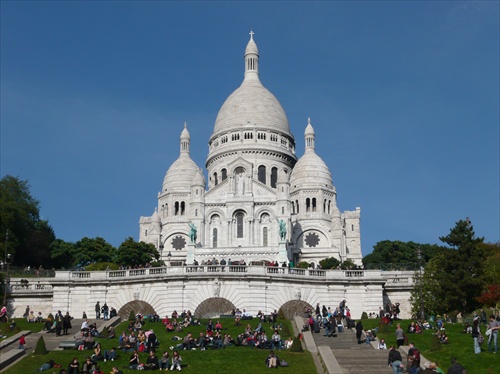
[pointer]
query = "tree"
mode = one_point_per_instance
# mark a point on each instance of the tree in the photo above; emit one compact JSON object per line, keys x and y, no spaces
{"x":62,"y":254}
{"x":19,"y":213}
{"x":88,"y":251}
{"x":455,"y":277}
{"x":397,"y":254}
{"x":38,"y":245}
{"x":132,"y":253}
{"x":329,"y":263}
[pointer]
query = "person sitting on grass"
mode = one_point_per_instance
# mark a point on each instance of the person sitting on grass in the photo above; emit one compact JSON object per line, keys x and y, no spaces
{"x":276,"y":340}
{"x":272,"y":361}
{"x":73,"y":367}
{"x":164,"y":361}
{"x":176,"y":361}
{"x":134,"y":361}
{"x":115,"y":370}
{"x":110,"y":355}
{"x":88,"y":366}
{"x":228,"y":340}
{"x":151,"y":362}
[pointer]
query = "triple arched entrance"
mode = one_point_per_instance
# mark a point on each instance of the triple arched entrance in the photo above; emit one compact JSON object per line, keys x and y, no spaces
{"x":213,"y":307}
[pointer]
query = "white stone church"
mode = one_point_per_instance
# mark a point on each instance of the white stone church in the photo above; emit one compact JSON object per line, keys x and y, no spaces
{"x":255,"y":182}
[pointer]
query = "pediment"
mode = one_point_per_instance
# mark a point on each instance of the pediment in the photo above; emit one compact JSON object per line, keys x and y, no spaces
{"x":238,"y":163}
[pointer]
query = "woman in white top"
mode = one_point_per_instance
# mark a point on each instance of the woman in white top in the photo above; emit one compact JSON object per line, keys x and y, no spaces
{"x":381,"y":344}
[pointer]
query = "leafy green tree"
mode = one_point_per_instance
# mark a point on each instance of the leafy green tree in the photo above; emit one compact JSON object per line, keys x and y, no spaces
{"x":347,"y":264}
{"x":38,"y":245}
{"x":62,"y":254}
{"x":88,"y":251}
{"x":455,"y":277}
{"x":329,"y":263}
{"x":398,"y":254}
{"x":132,"y":253}
{"x":19,"y":213}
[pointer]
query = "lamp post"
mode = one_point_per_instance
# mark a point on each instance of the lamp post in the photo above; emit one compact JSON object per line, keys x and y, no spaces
{"x":6,"y":262}
{"x":169,"y":256}
{"x":419,"y":256}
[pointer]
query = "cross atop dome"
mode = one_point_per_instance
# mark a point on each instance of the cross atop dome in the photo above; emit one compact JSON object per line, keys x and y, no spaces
{"x":251,"y":34}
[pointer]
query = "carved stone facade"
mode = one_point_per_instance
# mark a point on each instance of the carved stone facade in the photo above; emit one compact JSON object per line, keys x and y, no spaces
{"x":254,"y":181}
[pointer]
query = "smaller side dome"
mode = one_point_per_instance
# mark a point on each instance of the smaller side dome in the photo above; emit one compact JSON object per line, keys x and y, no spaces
{"x":183,"y":171}
{"x":310,"y":171}
{"x":199,"y":179}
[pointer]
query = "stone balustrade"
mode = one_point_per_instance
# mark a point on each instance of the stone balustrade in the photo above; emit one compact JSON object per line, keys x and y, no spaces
{"x":227,"y":270}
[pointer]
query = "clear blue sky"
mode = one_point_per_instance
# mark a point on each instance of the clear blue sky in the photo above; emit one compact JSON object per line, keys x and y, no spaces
{"x":404,"y":98}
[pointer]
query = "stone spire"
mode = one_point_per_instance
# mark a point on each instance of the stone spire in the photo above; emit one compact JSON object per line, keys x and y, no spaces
{"x":185,"y":140}
{"x":309,"y":136}
{"x":251,"y":60}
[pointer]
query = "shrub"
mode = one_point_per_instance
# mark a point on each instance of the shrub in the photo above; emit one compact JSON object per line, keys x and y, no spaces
{"x":40,"y":348}
{"x":296,"y":345}
{"x":364,"y":315}
{"x":303,"y":265}
{"x":329,"y":263}
{"x":131,"y":316}
{"x":157,"y":264}
{"x":281,"y":314}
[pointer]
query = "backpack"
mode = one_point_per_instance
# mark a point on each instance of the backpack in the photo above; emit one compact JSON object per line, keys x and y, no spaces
{"x":416,"y":357}
{"x":273,"y":362}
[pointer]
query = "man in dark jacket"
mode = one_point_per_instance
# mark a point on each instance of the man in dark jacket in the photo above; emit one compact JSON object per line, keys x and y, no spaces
{"x":456,"y":368}
{"x":394,"y":360}
{"x":359,"y":331}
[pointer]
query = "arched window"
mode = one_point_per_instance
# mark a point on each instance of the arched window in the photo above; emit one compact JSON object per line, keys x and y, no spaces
{"x":239,"y":225}
{"x":196,"y":212}
{"x":329,"y":205}
{"x":176,"y":208}
{"x":214,"y":238}
{"x":314,"y":204}
{"x":262,"y":174}
{"x":297,"y":206}
{"x":183,"y":208}
{"x":224,"y":174}
{"x":264,"y":236}
{"x":216,"y":180}
{"x":274,"y":177}
{"x":324,"y":206}
{"x":308,"y":204}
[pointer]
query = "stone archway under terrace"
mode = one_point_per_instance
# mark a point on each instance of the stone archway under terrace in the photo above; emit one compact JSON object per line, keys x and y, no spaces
{"x":136,"y":306}
{"x":213,"y":307}
{"x":294,"y":308}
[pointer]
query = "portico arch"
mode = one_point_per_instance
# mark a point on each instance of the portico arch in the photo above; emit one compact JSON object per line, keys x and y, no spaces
{"x":214,"y":306}
{"x":138,"y":307}
{"x":295,"y":308}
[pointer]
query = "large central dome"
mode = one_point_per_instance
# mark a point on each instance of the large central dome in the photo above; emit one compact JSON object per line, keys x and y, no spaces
{"x":251,"y":105}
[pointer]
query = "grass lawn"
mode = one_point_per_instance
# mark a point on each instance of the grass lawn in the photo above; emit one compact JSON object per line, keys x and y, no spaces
{"x":229,"y":360}
{"x":21,"y":325}
{"x":461,"y":346}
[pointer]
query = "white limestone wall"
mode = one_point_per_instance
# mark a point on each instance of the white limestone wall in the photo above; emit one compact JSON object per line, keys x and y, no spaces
{"x":254,"y":289}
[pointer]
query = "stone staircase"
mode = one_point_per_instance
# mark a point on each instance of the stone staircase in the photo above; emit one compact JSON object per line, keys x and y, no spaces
{"x":352,"y":357}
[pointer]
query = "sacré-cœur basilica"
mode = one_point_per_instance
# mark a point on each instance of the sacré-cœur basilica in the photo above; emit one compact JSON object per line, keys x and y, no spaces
{"x":255,"y":183}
